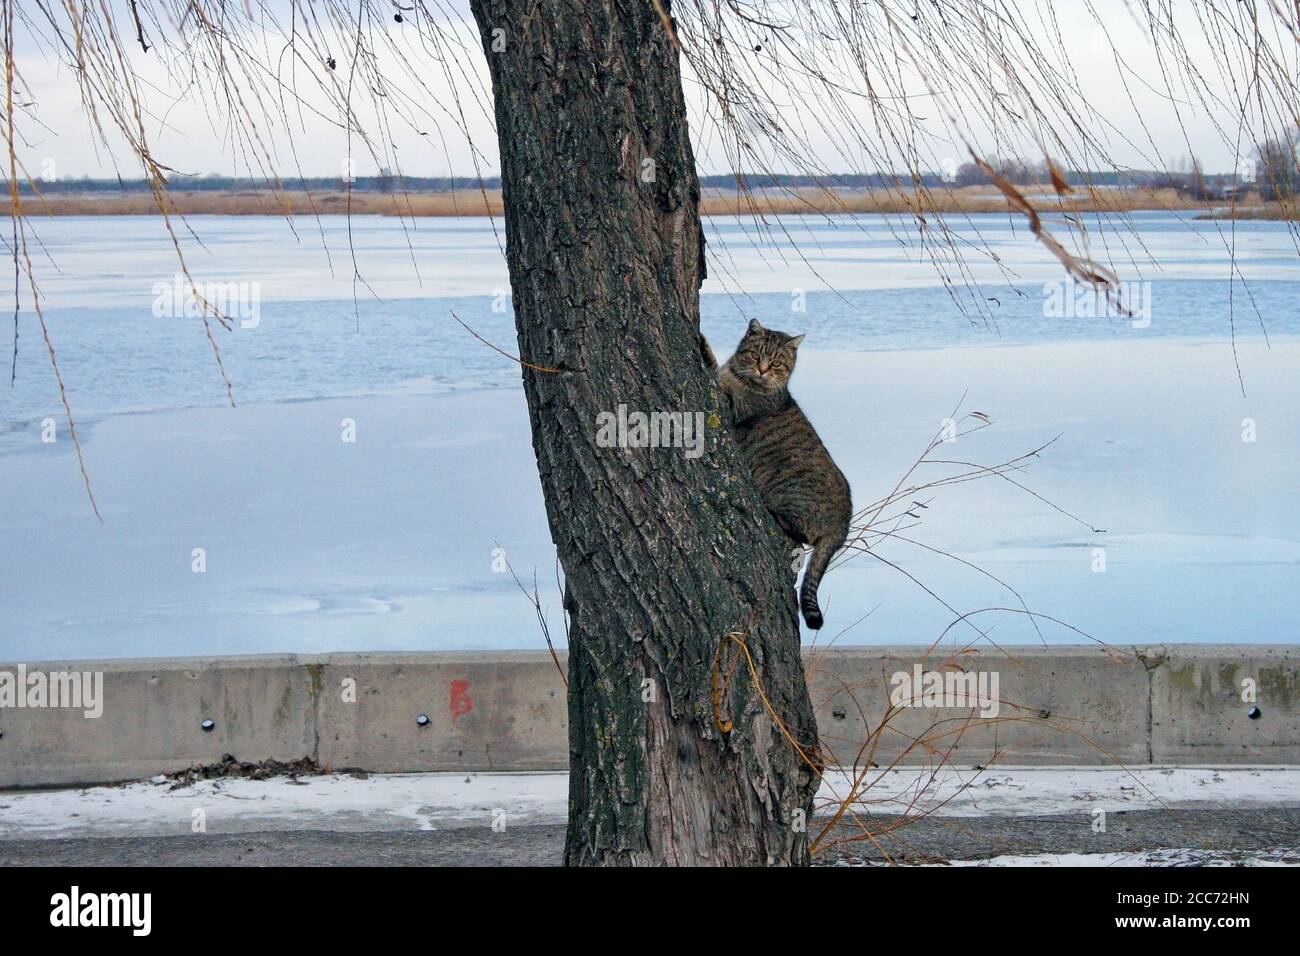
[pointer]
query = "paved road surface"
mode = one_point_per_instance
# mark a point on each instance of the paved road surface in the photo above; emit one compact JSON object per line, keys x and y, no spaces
{"x":541,"y":845}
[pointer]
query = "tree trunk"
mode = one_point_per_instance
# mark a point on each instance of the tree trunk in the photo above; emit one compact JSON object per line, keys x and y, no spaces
{"x":665,"y":554}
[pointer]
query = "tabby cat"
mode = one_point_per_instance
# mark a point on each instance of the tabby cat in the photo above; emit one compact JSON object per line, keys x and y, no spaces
{"x":796,"y":477}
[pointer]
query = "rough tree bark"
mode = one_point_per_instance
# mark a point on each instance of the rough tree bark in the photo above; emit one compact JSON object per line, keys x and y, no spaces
{"x":664,"y":556}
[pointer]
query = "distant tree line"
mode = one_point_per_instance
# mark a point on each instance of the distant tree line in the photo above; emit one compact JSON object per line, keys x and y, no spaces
{"x":1277,"y":166}
{"x":1271,"y":174}
{"x":383,"y":183}
{"x":1274,"y":173}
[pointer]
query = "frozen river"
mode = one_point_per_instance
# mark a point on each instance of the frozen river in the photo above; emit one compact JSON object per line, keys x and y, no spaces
{"x":312,"y":543}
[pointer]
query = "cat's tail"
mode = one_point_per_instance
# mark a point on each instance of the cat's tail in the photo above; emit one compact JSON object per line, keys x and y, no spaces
{"x":823,"y":551}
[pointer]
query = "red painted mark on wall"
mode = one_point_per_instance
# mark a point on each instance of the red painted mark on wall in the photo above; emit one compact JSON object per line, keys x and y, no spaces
{"x":461,"y":704}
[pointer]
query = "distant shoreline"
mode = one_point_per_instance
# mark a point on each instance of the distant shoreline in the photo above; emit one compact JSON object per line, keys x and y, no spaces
{"x":714,"y":202}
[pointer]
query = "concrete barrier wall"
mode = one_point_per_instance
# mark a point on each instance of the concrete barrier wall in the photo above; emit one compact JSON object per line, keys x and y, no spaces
{"x":507,"y":711}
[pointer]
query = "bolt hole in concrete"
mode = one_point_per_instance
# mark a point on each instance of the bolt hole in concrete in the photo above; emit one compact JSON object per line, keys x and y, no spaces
{"x":422,"y":720}
{"x":208,"y":725}
{"x":1254,"y":713}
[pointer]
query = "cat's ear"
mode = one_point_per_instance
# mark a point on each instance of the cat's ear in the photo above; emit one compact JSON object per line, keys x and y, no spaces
{"x":754,"y":327}
{"x":794,"y":342}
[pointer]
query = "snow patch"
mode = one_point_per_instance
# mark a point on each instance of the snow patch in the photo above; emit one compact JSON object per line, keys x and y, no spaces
{"x":430,"y":801}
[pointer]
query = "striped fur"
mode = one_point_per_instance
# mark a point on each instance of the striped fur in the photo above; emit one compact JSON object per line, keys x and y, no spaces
{"x":796,"y":477}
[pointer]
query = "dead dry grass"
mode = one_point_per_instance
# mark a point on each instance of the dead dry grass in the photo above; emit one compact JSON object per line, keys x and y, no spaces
{"x":1284,"y":212}
{"x":269,"y":203}
{"x":972,"y":199}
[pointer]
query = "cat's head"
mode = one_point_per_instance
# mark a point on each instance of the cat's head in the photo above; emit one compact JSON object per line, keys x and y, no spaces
{"x":765,"y":357}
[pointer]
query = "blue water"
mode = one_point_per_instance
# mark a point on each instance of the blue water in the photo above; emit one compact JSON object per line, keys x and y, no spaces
{"x":319,"y":333}
{"x":314,"y":544}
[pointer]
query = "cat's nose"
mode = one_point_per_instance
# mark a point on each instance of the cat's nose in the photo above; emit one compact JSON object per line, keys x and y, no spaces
{"x":763,"y":367}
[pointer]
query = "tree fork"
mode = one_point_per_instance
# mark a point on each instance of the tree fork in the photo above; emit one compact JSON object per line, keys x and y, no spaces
{"x":666,"y":558}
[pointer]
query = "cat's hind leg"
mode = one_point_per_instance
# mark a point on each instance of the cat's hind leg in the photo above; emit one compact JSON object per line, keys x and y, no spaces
{"x":824,"y":549}
{"x":796,"y":539}
{"x":790,"y":528}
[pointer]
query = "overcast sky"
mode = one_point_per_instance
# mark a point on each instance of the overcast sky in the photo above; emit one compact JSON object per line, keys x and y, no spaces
{"x":191,"y":136}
